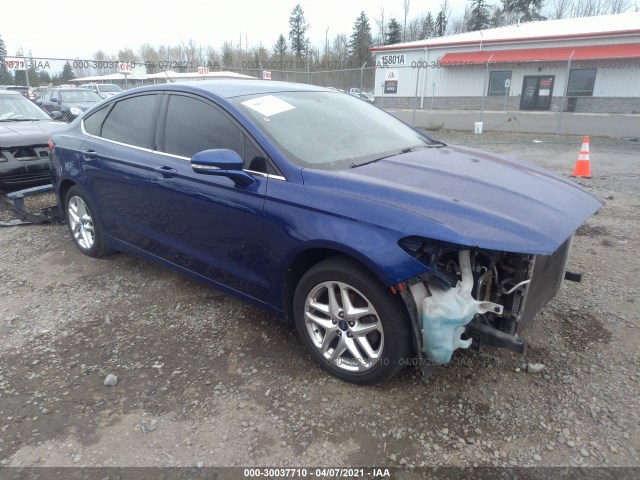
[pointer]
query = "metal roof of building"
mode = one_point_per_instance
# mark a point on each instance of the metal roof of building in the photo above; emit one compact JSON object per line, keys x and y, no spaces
{"x":581,"y":27}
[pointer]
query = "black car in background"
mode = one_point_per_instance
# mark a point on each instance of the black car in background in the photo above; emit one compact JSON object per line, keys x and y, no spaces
{"x":24,"y":132}
{"x":70,"y":102}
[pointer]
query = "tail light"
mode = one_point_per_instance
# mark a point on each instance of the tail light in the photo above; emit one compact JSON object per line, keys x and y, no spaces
{"x":50,"y":144}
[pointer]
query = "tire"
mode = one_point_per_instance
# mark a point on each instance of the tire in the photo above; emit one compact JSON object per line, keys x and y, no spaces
{"x":365,"y":347}
{"x":85,"y":227}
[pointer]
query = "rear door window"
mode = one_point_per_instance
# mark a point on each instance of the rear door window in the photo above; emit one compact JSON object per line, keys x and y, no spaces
{"x":133,"y":121}
{"x":93,"y":123}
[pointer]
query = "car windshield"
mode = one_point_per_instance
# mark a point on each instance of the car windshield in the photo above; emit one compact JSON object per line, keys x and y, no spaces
{"x":74,"y":96}
{"x":109,"y":88}
{"x":18,"y":108}
{"x":329,"y":130}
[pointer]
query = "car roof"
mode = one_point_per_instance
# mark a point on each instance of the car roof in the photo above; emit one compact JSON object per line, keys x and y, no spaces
{"x":10,"y":92}
{"x":236,"y":88}
{"x":68,"y":88}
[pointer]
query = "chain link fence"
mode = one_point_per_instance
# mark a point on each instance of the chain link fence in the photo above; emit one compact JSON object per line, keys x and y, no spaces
{"x":560,"y":97}
{"x":516,"y":97}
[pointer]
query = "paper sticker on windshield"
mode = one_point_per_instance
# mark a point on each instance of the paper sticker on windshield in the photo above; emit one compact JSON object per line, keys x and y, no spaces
{"x":268,"y":105}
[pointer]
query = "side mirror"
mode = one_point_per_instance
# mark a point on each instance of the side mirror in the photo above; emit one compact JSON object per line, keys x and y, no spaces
{"x":56,"y":115}
{"x":221,"y":162}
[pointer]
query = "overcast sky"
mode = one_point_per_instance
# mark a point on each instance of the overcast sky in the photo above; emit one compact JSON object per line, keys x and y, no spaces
{"x":73,"y":28}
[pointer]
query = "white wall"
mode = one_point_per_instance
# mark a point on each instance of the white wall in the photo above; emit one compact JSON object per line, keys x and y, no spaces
{"x":611,"y":80}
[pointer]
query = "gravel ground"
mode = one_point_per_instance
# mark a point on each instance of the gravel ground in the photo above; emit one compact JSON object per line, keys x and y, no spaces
{"x":204,"y":379}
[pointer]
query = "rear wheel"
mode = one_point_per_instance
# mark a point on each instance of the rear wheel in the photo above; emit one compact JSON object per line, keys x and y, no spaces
{"x":85,"y":227}
{"x":353,"y":327}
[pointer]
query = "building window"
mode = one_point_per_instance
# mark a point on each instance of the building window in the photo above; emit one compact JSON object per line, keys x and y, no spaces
{"x":497,"y":82}
{"x":581,"y":82}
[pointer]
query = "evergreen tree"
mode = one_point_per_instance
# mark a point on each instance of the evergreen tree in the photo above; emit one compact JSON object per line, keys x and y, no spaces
{"x":6,"y":78}
{"x":297,"y":34}
{"x":43,"y":77}
{"x":361,"y":40}
{"x":479,"y":16}
{"x":427,"y":26}
{"x":280,"y":47}
{"x":67,"y":73}
{"x":524,"y":10}
{"x":394,"y":32}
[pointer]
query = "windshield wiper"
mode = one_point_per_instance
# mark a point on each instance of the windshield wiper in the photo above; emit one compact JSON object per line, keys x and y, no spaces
{"x":354,"y":165}
{"x":435,"y":144}
{"x":21,"y":120}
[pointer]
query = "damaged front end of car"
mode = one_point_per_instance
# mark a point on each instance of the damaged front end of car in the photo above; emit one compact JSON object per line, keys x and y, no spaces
{"x":470,"y":298}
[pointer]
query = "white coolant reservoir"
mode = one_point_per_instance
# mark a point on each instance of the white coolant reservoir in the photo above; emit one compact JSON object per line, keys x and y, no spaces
{"x":444,"y":313}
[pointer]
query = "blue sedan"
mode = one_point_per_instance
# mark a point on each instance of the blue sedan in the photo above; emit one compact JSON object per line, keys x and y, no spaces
{"x":383,"y":246}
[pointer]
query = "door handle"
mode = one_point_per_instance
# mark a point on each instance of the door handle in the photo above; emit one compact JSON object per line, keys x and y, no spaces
{"x":166,"y":172}
{"x":90,"y":154}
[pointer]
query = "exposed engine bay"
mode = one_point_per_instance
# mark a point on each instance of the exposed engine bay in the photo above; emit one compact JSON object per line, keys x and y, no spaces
{"x":471,"y":298}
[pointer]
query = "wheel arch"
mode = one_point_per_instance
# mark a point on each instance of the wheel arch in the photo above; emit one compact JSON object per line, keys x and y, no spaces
{"x":64,"y":187}
{"x":308,"y":258}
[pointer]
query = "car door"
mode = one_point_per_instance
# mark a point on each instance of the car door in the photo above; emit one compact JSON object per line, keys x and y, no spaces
{"x":205,"y":223}
{"x":115,"y":162}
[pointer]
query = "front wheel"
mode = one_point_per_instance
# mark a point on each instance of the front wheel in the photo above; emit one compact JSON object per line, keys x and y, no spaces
{"x":352,"y":326}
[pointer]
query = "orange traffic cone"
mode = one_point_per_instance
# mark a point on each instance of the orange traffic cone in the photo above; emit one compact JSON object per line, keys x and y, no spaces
{"x":583,"y":166}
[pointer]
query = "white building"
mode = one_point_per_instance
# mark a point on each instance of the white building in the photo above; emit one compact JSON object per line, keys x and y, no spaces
{"x":589,"y":64}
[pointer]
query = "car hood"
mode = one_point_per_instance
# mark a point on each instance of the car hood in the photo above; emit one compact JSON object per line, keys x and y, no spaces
{"x":466,"y":196}
{"x":18,"y":134}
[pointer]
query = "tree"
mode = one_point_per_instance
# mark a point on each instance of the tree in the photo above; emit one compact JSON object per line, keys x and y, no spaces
{"x":459,"y":24}
{"x":227,"y":54}
{"x":127,"y":55}
{"x":297,"y":34}
{"x":441,"y":24}
{"x":6,"y":78}
{"x":497,"y":17}
{"x":148,"y":54}
{"x":361,"y":40}
{"x":280,"y":47}
{"x":413,"y":29}
{"x":405,"y":5}
{"x":67,"y":73}
{"x":341,"y":48}
{"x":442,"y":19}
{"x":394,"y":32}
{"x":427,"y":26}
{"x":560,"y":9}
{"x":523,"y":10}
{"x":43,"y":77}
{"x":479,"y":16}
{"x":380,"y":39}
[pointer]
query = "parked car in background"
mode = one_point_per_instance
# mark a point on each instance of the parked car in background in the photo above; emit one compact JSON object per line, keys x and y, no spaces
{"x":38,"y":91}
{"x":70,"y":102}
{"x":365,"y":96}
{"x":24,"y":90}
{"x":379,"y":243}
{"x":105,"y":90}
{"x":24,"y":132}
{"x":356,"y":92}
